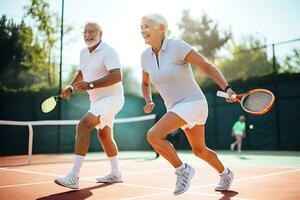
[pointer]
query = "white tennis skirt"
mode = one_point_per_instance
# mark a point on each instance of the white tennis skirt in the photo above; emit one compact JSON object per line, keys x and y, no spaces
{"x":238,"y":133}
{"x":194,"y":113}
{"x":107,"y":108}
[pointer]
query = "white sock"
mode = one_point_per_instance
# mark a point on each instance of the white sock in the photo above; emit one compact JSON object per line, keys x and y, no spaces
{"x":180,"y":167}
{"x":225,"y":171}
{"x":77,"y":163}
{"x":114,"y":165}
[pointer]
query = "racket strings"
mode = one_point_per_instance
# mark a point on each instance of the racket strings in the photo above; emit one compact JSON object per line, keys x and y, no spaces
{"x":257,"y":102}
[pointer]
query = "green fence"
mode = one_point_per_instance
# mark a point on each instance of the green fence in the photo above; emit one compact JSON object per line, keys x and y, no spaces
{"x":276,"y":130}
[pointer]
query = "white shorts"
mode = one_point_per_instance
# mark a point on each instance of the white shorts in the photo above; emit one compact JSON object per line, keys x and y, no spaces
{"x":194,"y":113}
{"x":107,"y":108}
{"x":238,"y":133}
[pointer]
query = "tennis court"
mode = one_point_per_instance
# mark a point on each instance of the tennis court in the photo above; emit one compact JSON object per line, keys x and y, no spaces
{"x":258,"y":175}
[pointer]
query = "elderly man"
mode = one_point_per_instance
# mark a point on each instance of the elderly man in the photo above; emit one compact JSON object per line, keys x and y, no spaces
{"x":100,"y":75}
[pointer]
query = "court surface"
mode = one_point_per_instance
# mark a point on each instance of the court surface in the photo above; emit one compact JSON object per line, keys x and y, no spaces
{"x":258,"y":175}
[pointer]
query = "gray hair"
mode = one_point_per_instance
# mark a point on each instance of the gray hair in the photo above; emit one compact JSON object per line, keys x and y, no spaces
{"x":159,"y":20}
{"x":93,"y":23}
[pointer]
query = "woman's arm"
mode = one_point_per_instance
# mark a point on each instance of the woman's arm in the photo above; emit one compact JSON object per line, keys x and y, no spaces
{"x":196,"y":59}
{"x":146,"y":89}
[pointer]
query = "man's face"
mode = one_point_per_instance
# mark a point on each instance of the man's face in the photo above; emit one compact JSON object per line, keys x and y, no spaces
{"x":92,"y":35}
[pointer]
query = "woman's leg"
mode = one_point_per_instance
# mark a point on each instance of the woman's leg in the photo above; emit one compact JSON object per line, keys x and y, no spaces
{"x":239,"y":142}
{"x":156,"y":136}
{"x":196,"y":139}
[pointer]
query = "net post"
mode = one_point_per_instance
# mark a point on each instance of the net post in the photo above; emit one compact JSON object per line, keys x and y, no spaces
{"x":30,"y":141}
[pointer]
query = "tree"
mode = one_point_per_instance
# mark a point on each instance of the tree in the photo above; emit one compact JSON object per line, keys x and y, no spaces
{"x":292,"y":63}
{"x":249,"y":59}
{"x":205,"y":36}
{"x":47,"y":26}
{"x":22,"y":59}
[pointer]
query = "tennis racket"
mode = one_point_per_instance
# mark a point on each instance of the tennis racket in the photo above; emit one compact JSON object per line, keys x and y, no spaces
{"x":256,"y":102}
{"x":50,"y":103}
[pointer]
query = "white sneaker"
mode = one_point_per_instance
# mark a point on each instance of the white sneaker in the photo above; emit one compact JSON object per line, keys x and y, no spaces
{"x":110,"y":178}
{"x":184,"y":177}
{"x":69,"y":181}
{"x":225,"y":181}
{"x":232,"y":147}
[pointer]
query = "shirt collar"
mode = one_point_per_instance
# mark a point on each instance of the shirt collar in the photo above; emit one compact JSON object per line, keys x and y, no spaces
{"x":164,"y":45}
{"x":100,"y":46}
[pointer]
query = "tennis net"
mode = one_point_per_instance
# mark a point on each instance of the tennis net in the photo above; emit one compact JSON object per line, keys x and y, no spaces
{"x":21,"y":141}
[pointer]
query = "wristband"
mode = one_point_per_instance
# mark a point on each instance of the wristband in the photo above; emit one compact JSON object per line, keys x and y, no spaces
{"x":227,"y":87}
{"x":71,"y":88}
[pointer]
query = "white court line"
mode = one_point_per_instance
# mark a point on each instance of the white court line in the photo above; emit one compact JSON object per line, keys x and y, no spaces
{"x":168,"y":190}
{"x":26,"y":184}
{"x":216,"y":195}
{"x":192,"y":193}
{"x":30,"y":172}
{"x":145,"y":196}
{"x":249,"y":178}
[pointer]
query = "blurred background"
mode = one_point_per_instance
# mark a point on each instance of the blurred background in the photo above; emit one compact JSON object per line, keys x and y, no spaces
{"x":256,"y":44}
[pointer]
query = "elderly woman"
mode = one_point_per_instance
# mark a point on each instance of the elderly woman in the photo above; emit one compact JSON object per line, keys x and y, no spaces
{"x":166,"y":64}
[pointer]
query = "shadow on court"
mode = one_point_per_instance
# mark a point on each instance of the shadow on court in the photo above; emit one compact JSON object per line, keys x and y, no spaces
{"x":74,"y":194}
{"x":243,"y":158}
{"x":228,"y":194}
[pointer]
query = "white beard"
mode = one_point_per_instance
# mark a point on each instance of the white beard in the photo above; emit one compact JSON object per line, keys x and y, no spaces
{"x":93,"y":42}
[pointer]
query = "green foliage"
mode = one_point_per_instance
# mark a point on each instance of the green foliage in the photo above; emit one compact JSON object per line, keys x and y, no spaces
{"x":71,"y":75}
{"x":249,"y":60}
{"x":21,"y":58}
{"x":203,"y":35}
{"x":28,"y":60}
{"x":130,"y":83}
{"x":291,"y":63}
{"x":48,"y":32}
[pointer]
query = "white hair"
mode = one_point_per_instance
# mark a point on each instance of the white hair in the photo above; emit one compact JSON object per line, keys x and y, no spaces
{"x":93,"y":23}
{"x":159,"y":20}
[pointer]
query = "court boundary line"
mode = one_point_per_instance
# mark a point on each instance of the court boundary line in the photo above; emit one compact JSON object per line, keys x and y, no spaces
{"x":142,"y":186}
{"x":165,"y":190}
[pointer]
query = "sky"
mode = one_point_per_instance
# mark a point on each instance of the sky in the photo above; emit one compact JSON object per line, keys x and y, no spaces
{"x":274,"y":20}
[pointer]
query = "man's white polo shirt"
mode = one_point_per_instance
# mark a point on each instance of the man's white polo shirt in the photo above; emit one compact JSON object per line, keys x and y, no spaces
{"x":95,"y":65}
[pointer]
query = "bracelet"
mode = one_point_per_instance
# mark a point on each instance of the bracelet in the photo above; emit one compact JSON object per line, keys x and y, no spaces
{"x":227,"y":87}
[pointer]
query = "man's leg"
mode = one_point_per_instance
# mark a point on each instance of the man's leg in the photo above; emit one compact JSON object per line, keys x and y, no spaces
{"x":83,"y":131}
{"x":109,"y":145}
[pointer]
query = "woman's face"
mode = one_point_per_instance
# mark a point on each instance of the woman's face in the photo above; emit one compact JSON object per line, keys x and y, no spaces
{"x":151,"y":32}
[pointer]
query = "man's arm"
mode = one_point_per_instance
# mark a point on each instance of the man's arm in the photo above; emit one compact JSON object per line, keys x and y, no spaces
{"x":66,"y":93}
{"x":114,"y":76}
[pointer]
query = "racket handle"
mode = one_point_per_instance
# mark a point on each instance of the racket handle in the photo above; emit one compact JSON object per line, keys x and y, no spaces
{"x":225,"y":95}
